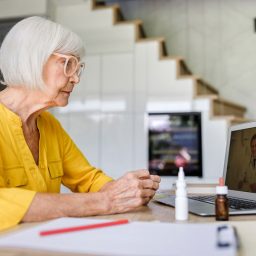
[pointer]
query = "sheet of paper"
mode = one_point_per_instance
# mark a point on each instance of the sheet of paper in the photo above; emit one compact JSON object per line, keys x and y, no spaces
{"x":135,"y":238}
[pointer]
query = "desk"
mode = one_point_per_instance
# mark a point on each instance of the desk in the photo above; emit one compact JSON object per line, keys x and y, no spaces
{"x":246,"y":226}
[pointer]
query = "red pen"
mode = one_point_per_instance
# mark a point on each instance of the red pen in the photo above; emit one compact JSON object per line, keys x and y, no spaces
{"x":84,"y":227}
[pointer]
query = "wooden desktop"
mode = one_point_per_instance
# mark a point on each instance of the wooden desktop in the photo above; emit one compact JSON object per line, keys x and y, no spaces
{"x":246,"y":226}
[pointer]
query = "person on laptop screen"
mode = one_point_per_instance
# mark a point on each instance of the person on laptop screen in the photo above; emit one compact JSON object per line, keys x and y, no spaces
{"x":248,"y":176}
{"x":41,"y":64}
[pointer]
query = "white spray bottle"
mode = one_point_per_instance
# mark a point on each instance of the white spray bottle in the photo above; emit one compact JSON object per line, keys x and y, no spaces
{"x":181,"y":200}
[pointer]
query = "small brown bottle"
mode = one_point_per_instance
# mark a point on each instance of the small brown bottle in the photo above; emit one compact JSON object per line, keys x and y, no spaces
{"x":221,"y":201}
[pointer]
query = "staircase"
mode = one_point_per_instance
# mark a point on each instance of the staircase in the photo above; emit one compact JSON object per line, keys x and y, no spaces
{"x":220,"y":107}
{"x":129,"y":75}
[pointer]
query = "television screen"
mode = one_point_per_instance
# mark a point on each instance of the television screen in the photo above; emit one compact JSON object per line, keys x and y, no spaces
{"x":174,"y":140}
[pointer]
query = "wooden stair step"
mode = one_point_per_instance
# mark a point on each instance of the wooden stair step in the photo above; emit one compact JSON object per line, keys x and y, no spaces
{"x":162,"y":49}
{"x":118,"y":15}
{"x":141,"y":31}
{"x":124,"y":22}
{"x":202,"y":88}
{"x":137,"y":26}
{"x":225,"y":107}
{"x":183,"y":68}
{"x":96,"y":3}
{"x":102,"y":5}
{"x":238,"y":120}
{"x":161,"y":43}
{"x":150,"y":39}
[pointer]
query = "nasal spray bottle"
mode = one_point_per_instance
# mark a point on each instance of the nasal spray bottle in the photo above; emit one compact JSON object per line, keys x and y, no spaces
{"x":181,"y":200}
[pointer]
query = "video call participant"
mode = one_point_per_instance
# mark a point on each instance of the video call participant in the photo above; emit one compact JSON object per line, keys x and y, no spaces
{"x":248,"y":180}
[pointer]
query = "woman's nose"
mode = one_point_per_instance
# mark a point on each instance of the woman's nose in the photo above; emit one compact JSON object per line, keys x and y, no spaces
{"x":75,"y":78}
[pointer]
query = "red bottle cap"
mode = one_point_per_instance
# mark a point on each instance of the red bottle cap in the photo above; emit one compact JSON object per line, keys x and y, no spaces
{"x":221,"y":181}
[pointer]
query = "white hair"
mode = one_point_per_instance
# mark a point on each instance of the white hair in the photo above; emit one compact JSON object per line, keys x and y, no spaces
{"x":27,"y":47}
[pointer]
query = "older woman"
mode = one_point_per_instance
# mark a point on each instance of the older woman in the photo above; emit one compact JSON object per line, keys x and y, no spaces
{"x":41,"y":63}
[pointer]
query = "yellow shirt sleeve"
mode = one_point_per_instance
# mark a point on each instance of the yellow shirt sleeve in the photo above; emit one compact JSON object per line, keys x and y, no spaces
{"x":14,"y":203}
{"x":79,"y":175}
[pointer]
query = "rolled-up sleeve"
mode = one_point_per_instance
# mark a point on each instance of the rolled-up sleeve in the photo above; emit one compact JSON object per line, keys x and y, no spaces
{"x":14,"y":203}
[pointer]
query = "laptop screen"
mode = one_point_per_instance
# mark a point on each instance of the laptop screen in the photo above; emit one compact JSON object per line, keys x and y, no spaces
{"x":241,"y":162}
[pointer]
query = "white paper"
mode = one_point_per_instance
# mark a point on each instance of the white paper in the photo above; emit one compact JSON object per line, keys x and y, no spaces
{"x":135,"y":238}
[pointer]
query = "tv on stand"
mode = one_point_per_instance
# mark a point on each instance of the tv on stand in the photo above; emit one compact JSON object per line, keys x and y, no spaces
{"x":174,"y":140}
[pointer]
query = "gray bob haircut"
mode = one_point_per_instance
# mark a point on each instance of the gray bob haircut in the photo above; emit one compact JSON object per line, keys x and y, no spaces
{"x":27,"y":47}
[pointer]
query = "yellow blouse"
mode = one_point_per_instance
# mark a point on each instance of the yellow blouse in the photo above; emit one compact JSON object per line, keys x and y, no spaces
{"x":60,"y":161}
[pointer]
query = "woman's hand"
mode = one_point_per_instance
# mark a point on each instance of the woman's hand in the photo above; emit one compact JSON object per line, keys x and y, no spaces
{"x":131,"y":191}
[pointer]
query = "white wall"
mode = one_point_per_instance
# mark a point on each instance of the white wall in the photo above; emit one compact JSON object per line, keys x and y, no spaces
{"x":16,"y":8}
{"x":217,"y":39}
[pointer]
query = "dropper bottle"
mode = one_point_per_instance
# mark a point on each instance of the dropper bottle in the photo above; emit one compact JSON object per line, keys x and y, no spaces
{"x":221,"y":201}
{"x":181,"y":200}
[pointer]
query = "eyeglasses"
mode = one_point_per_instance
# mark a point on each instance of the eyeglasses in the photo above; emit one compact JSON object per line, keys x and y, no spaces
{"x":72,"y":65}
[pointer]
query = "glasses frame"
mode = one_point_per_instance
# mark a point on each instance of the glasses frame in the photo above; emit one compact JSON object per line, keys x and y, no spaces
{"x":79,"y":66}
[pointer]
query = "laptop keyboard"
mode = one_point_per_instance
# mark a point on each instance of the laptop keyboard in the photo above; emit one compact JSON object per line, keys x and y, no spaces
{"x":234,"y":203}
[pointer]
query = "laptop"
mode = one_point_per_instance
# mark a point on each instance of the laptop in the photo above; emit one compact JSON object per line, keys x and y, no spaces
{"x":239,"y":175}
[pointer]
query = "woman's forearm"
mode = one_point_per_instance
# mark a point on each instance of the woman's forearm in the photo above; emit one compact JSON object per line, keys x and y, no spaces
{"x":47,"y":206}
{"x":128,"y":193}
